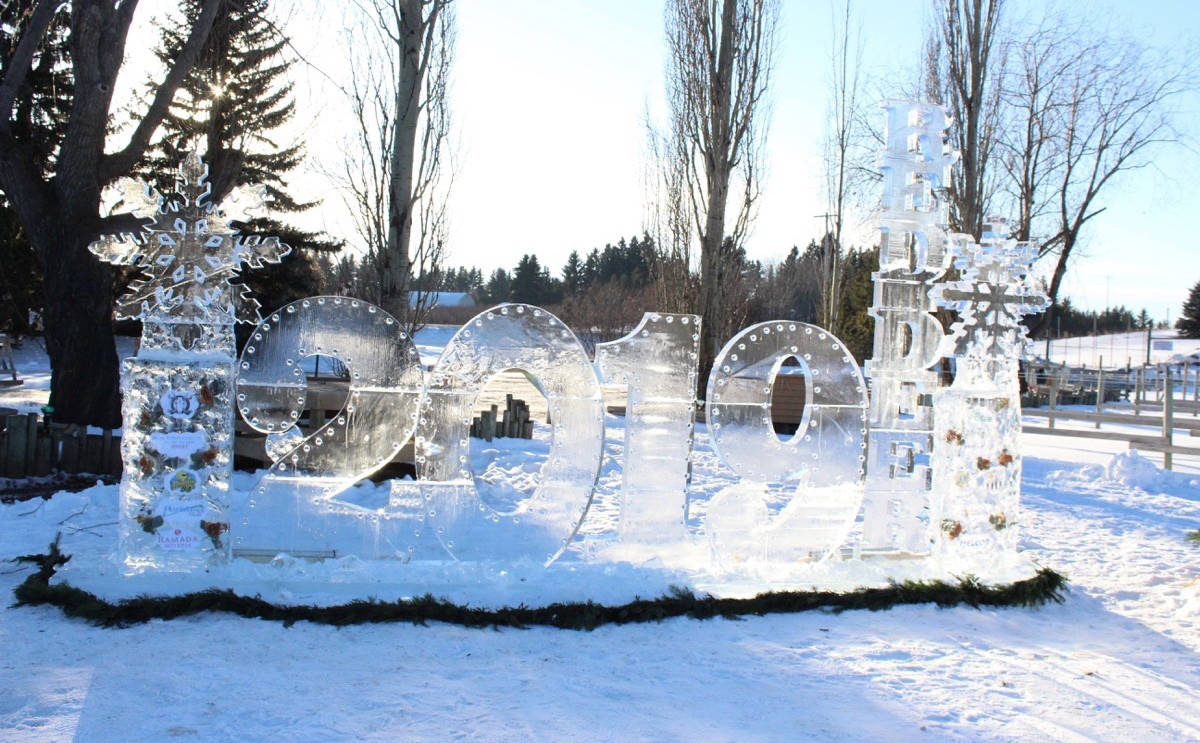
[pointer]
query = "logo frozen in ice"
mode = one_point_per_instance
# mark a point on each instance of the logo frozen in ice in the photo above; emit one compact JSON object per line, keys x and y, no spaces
{"x":181,"y":404}
{"x":182,"y":481}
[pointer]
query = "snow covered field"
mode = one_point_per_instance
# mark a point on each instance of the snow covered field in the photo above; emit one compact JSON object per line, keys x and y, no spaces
{"x":1120,"y":659}
{"x":1118,"y":349}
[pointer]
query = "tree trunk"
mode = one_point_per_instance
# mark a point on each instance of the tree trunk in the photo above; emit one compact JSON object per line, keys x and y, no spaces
{"x":397,"y":260}
{"x":712,"y":275}
{"x":78,"y":328}
{"x":1056,"y":279}
{"x":717,"y":172}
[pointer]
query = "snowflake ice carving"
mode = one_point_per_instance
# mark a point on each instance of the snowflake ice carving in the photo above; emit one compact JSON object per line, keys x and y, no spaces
{"x":993,"y":295}
{"x":188,"y":252}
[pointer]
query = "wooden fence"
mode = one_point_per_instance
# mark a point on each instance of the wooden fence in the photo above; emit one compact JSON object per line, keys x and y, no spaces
{"x":31,"y":447}
{"x":1152,"y":412}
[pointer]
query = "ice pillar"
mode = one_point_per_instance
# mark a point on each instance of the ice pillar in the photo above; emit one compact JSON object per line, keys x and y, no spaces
{"x":976,"y":456}
{"x":913,"y":252}
{"x":177,"y":446}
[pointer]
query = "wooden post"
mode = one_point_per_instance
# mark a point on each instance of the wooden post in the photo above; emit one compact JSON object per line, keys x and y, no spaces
{"x":1053,"y":402}
{"x":1195,"y":390}
{"x":1168,"y":429}
{"x":1099,"y":393}
{"x":1139,"y":380}
{"x":14,"y":446}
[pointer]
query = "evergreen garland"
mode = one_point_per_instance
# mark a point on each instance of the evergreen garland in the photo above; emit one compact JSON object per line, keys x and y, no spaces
{"x":1045,"y":586}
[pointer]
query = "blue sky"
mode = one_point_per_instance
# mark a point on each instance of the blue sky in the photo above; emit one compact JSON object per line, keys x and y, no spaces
{"x":549,"y":100}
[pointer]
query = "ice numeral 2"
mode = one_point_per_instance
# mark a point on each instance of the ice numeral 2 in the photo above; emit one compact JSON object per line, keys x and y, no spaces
{"x":384,"y":389}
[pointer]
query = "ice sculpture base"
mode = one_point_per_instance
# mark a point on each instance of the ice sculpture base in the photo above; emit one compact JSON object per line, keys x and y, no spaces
{"x":604,"y":578}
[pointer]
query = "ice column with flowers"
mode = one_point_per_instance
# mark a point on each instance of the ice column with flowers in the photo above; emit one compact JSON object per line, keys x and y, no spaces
{"x":913,"y":253}
{"x":177,"y":446}
{"x":977,"y":420}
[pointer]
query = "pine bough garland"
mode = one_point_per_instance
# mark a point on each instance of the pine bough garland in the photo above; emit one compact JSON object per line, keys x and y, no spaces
{"x":1045,"y":586}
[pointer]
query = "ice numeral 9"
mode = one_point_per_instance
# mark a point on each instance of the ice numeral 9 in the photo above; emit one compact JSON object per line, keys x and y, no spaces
{"x":814,"y":479}
{"x":510,"y":337}
{"x":658,"y":363}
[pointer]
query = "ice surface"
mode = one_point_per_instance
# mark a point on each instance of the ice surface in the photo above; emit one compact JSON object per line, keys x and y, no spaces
{"x":812,"y":481}
{"x":384,"y":387}
{"x":658,"y":361}
{"x":992,"y":297}
{"x":177,"y":450}
{"x":977,"y":455}
{"x":914,"y":251}
{"x":178,"y":407}
{"x":508,"y":337}
{"x":188,"y":252}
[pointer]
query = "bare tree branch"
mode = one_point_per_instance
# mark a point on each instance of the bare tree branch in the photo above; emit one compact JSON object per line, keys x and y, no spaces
{"x":122,"y":161}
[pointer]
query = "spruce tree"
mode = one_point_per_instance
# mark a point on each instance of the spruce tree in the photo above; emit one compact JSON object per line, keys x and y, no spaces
{"x":573,"y":275}
{"x":1188,"y":323}
{"x":230,"y":106}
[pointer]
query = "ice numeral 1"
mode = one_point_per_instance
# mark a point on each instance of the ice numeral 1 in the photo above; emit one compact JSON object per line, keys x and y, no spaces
{"x":531,"y":340}
{"x":658,"y":362}
{"x":813,"y":480}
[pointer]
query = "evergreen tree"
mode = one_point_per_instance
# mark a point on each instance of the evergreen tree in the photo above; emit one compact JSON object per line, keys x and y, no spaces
{"x":591,"y":268}
{"x":573,"y":275}
{"x":1144,"y":320}
{"x":854,"y":326}
{"x":532,"y":284}
{"x":499,"y":287}
{"x":1188,"y":323}
{"x":232,"y":101}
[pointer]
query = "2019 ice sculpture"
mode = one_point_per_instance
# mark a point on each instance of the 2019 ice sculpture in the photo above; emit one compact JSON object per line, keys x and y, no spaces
{"x":177,"y":448}
{"x":912,"y":465}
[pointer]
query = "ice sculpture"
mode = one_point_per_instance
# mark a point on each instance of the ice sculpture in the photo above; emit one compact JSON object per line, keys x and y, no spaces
{"x":813,"y":482}
{"x":383,"y":384}
{"x":658,"y":362}
{"x":188,"y":251}
{"x":913,"y":252}
{"x":178,"y":392}
{"x":977,"y":456}
{"x":529,"y":339}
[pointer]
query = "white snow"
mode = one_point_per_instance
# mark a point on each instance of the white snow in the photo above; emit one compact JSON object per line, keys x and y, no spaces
{"x":1120,"y":659}
{"x":1118,"y":349}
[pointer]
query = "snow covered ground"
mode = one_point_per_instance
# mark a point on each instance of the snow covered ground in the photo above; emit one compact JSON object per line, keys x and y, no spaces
{"x":1120,"y":659}
{"x":1118,"y":349}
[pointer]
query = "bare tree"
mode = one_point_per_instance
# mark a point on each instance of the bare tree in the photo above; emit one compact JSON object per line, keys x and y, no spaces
{"x":719,"y":65}
{"x":841,"y":136}
{"x":669,"y":222}
{"x":397,"y":174}
{"x":964,"y":56}
{"x":55,"y":189}
{"x":1090,"y":108}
